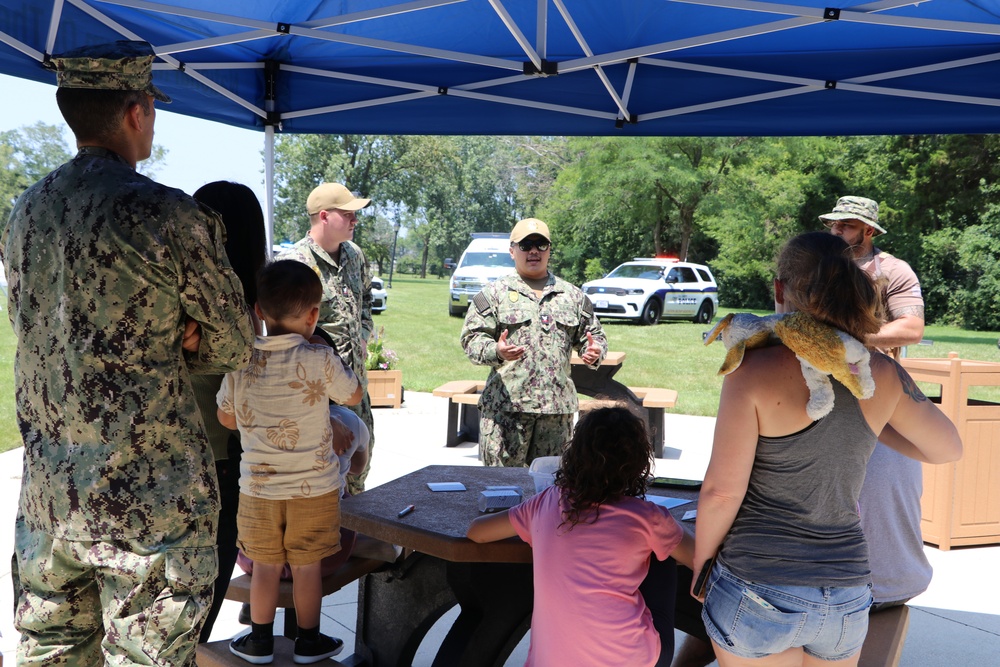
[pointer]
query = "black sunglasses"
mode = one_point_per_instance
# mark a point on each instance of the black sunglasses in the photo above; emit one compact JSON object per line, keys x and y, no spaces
{"x":541,"y":244}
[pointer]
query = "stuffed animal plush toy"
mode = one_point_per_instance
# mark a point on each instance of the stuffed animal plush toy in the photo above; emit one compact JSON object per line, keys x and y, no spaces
{"x":821,"y":350}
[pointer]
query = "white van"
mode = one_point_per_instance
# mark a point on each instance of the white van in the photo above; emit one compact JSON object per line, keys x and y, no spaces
{"x":486,"y":259}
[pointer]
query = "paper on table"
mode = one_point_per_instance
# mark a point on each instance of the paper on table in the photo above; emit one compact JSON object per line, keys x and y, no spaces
{"x":665,"y":501}
{"x":446,"y":486}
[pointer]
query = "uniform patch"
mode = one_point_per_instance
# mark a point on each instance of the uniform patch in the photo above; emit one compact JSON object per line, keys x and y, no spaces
{"x":481,"y":303}
{"x":513,"y":296}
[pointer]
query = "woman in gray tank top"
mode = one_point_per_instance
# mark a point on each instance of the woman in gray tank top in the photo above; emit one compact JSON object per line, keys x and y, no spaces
{"x":778,"y":509}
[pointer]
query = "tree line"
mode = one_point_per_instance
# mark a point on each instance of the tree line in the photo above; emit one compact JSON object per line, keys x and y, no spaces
{"x":729,"y":202}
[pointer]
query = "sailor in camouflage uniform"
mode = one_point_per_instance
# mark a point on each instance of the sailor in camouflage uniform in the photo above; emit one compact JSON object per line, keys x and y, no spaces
{"x":525,"y":326}
{"x":119,"y":291}
{"x":346,"y":311}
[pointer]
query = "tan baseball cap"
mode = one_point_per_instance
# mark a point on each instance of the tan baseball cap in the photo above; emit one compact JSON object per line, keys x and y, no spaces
{"x":527,"y":227}
{"x":333,"y":195}
{"x":123,"y":65}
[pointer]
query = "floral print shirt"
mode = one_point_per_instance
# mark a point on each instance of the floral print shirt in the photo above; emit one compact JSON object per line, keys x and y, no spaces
{"x":281,"y":403}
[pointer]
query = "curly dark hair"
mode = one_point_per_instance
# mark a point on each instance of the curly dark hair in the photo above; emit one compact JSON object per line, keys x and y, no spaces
{"x":609,"y":457}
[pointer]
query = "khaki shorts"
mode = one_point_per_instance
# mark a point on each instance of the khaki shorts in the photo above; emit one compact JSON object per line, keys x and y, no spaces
{"x":299,"y":531}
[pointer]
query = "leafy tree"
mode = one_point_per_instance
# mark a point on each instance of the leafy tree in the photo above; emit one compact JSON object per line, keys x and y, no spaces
{"x":622,"y":198}
{"x":961,"y":276}
{"x":30,"y":152}
{"x":362,"y":163}
{"x":758,"y":206}
{"x":27,"y":154}
{"x":440,"y":188}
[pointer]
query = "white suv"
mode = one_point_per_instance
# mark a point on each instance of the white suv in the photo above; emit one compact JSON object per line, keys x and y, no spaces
{"x":486,"y":259}
{"x":646,"y":290}
{"x":380,"y":298}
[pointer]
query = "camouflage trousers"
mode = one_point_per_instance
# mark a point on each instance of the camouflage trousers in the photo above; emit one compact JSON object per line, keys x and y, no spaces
{"x":515,"y":439}
{"x":130,"y":602}
{"x":356,"y":483}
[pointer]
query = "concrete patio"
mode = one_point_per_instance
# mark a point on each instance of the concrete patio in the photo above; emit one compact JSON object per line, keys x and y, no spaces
{"x":955,"y":623}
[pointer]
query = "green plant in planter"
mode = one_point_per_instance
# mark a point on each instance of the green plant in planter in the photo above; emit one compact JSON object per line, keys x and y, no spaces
{"x":380,"y":357}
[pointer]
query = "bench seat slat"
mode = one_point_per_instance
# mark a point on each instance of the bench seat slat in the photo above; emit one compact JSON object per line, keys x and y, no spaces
{"x":353,"y":569}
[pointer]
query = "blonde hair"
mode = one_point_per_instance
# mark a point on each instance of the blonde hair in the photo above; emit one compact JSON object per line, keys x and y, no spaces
{"x":822,"y":279}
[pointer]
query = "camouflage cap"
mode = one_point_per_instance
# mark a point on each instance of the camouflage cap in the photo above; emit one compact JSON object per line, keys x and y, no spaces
{"x":527,"y":227}
{"x":856,"y":208}
{"x":123,"y":65}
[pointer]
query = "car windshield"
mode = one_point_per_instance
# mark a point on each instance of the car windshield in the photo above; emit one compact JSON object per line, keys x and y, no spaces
{"x":488,"y":259}
{"x":643,"y":271}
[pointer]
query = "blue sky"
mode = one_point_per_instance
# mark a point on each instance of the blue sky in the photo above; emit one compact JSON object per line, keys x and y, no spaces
{"x":198,"y":151}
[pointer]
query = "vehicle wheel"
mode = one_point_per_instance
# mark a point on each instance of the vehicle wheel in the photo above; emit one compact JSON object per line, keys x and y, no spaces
{"x":460,"y":312}
{"x":705,"y":313}
{"x":651,"y":312}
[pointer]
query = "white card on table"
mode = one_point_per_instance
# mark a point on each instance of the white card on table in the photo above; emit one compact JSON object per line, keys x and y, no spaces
{"x":446,"y":486}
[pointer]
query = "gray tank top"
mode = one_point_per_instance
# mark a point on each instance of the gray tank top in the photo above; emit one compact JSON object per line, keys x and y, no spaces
{"x":799,"y":522}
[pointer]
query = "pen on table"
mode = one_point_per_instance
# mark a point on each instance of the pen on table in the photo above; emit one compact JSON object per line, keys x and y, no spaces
{"x":406,"y":510}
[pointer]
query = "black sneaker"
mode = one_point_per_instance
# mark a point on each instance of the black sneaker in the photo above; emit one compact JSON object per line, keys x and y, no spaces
{"x":308,"y":651}
{"x":253,"y":650}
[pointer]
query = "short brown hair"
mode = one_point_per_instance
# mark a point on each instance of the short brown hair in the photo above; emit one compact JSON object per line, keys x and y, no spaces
{"x":287,"y":289}
{"x":96,"y":115}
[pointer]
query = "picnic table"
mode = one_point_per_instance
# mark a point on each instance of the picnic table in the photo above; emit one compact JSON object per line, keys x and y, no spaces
{"x":491,"y":582}
{"x":650,"y":402}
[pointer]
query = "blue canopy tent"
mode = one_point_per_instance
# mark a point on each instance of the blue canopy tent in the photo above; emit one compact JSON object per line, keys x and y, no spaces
{"x":546,"y":67}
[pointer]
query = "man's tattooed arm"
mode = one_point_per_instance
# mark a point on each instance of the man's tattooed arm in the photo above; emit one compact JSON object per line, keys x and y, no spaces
{"x":916,"y":311}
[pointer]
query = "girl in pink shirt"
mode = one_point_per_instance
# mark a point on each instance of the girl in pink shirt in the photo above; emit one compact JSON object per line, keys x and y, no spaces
{"x":591,"y":536}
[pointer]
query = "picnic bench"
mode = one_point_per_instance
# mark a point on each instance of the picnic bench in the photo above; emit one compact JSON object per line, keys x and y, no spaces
{"x":463,"y":399}
{"x":217,"y":654}
{"x":883,"y":645}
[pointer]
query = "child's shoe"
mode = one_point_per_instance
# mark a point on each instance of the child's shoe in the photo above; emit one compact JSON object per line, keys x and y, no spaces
{"x":308,"y":651}
{"x":253,"y":650}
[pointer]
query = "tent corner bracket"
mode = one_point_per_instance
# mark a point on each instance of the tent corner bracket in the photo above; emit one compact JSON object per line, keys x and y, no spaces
{"x":549,"y":68}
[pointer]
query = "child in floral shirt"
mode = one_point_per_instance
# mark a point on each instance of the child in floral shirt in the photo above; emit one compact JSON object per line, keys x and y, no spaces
{"x":289,"y":475}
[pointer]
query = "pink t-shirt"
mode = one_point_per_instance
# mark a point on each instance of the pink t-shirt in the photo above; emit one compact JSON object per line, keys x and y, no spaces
{"x":587,"y":609}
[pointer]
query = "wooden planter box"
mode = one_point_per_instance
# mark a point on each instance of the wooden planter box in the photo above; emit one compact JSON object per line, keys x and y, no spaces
{"x":385,"y":388}
{"x":960,"y":504}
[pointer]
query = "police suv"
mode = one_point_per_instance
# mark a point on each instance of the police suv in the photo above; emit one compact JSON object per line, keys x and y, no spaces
{"x":648,"y":289}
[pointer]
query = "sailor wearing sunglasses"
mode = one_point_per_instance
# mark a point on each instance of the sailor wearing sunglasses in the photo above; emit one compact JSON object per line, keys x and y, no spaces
{"x":525,"y":326}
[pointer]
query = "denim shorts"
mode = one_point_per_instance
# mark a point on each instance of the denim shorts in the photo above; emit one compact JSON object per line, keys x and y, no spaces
{"x":753,"y":620}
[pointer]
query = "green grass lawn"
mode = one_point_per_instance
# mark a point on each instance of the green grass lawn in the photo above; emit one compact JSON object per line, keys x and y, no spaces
{"x":670,"y":355}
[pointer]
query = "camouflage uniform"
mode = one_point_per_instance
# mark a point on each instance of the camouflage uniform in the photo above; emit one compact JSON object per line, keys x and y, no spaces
{"x":528,"y":405}
{"x":118,"y":498}
{"x":346,"y":314}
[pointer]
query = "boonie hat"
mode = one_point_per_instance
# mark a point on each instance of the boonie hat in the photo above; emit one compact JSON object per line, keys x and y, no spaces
{"x":527,"y":227}
{"x":333,"y":195}
{"x":856,"y":208}
{"x":122,"y":65}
